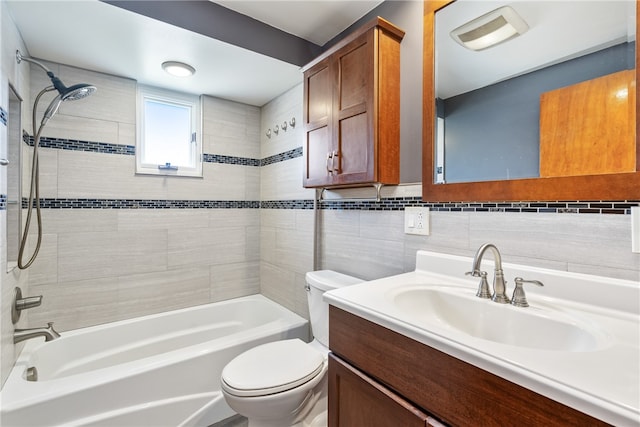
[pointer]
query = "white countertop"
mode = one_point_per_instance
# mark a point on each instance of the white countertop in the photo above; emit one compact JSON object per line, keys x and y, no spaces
{"x":603,"y":381}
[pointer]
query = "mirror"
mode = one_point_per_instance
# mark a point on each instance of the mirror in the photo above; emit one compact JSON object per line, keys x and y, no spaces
{"x":502,"y":177}
{"x":14,"y":174}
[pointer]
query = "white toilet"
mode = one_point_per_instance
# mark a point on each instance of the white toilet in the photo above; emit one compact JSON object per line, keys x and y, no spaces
{"x":284,"y":383}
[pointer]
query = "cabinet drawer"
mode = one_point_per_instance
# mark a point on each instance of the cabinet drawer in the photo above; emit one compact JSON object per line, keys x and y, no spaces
{"x":357,"y":400}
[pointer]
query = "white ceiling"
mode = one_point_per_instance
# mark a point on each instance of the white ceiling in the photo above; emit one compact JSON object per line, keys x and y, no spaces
{"x":101,"y":37}
{"x":98,"y":36}
{"x":315,"y":20}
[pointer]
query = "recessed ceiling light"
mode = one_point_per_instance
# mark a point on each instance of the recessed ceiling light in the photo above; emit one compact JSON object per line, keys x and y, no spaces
{"x":178,"y":69}
{"x":490,"y":29}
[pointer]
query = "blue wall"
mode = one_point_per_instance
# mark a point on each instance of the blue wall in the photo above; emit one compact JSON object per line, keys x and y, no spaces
{"x":493,"y":132}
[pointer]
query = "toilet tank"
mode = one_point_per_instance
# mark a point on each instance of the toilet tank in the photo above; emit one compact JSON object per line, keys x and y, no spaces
{"x":318,"y":282}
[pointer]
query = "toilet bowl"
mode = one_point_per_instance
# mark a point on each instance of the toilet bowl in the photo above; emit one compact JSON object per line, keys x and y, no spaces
{"x":284,"y":383}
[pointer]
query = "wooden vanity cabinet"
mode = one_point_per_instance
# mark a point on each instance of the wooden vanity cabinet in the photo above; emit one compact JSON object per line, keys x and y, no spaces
{"x":352,"y":110}
{"x":403,"y":370}
{"x":361,"y":401}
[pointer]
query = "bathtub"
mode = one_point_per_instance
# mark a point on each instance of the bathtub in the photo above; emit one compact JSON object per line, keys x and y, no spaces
{"x":151,"y":371}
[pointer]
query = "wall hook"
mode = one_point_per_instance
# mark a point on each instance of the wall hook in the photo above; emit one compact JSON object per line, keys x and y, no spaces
{"x":292,"y":123}
{"x":284,"y":126}
{"x":268,"y":133}
{"x":276,"y":129}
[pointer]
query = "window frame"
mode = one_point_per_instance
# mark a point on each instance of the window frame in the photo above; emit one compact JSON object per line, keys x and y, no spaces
{"x":194,"y":102}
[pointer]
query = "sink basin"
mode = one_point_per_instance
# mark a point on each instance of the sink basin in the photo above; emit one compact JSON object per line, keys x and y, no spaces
{"x":460,"y":310}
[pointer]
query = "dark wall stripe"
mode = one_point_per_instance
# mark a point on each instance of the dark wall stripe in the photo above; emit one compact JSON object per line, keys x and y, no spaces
{"x":391,"y":204}
{"x":277,"y":158}
{"x":4,"y":116}
{"x":143,"y":204}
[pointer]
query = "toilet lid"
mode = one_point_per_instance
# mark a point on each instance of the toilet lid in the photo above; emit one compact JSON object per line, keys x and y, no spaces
{"x":271,"y":368}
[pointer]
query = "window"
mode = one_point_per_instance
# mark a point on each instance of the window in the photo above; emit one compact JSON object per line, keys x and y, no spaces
{"x":168,"y":133}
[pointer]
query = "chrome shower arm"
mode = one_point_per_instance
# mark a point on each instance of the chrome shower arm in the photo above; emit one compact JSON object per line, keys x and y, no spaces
{"x":21,"y":58}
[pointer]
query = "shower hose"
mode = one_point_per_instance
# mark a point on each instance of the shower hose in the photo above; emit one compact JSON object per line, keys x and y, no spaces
{"x":34,"y":192}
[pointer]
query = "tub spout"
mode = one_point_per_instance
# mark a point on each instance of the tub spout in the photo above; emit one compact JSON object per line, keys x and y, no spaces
{"x":48,"y":333}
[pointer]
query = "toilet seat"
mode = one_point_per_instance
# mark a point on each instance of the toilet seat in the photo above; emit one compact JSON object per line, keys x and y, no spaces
{"x":272,"y":368}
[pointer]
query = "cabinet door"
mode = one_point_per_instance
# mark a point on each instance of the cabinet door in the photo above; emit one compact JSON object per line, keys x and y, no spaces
{"x":356,"y":400}
{"x":318,"y":107}
{"x":353,"y":104}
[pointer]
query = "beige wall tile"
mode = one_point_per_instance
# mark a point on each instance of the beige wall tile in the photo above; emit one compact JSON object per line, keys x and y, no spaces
{"x":283,"y":181}
{"x":278,"y":284}
{"x":194,"y":247}
{"x":90,"y":255}
{"x":81,"y":128}
{"x":105,"y":176}
{"x":75,"y":304}
{"x":148,"y":293}
{"x":225,"y":218}
{"x":234,"y":280}
{"x":48,"y":166}
{"x":45,"y":266}
{"x":161,"y":219}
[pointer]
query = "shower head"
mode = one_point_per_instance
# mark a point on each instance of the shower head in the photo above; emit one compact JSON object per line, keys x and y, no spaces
{"x":79,"y":91}
{"x":71,"y":93}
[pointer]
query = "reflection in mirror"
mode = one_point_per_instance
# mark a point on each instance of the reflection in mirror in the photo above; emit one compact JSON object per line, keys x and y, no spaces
{"x":14,"y":193}
{"x":557,"y":100}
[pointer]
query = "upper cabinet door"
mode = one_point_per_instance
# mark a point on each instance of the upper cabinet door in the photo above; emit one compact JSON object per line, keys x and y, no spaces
{"x":351,"y":110}
{"x":353,"y":137}
{"x":318,"y":107}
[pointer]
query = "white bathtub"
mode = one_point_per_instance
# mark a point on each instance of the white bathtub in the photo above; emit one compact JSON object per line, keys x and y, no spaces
{"x":152,"y":371}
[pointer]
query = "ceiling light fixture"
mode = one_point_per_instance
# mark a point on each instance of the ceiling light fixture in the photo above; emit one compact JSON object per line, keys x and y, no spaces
{"x":490,"y":29}
{"x":178,"y":69}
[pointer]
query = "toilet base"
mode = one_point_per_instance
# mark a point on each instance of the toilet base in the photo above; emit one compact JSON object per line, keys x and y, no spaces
{"x":313,"y":413}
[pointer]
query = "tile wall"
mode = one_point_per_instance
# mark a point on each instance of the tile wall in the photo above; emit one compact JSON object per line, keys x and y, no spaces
{"x":366,"y":239}
{"x":10,"y":72}
{"x":118,"y":245}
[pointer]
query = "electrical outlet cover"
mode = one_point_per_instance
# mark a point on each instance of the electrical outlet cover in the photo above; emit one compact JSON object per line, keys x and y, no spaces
{"x":416,"y":220}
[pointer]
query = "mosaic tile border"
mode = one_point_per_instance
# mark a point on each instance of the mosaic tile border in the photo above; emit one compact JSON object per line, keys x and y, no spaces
{"x":230,"y":160}
{"x":143,"y":204}
{"x":391,"y":204}
{"x":4,"y":116}
{"x":399,"y":203}
{"x":281,"y":157}
{"x":3,"y":202}
{"x":88,"y":146}
{"x":127,"y":150}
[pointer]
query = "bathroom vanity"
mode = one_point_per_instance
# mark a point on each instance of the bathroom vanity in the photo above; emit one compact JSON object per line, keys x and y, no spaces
{"x":403,"y":355}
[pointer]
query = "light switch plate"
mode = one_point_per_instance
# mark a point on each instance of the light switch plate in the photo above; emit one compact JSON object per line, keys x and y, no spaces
{"x":416,"y":220}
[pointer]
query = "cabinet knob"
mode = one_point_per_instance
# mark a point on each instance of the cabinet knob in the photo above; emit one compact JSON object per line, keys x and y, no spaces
{"x":335,"y":155}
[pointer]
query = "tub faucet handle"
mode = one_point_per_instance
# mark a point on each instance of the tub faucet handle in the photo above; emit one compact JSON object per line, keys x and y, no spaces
{"x":20,"y":303}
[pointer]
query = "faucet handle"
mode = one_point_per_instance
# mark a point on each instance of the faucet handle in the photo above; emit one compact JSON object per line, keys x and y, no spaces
{"x":20,"y":303}
{"x":483,"y":286}
{"x":519,"y":298}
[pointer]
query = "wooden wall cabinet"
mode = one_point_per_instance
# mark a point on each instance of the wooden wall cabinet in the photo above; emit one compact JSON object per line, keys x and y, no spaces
{"x":589,"y":128}
{"x":379,"y":365}
{"x":352,"y":110}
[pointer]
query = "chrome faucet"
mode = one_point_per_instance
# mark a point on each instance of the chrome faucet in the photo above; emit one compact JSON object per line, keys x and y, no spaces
{"x":48,"y":333}
{"x":499,"y":287}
